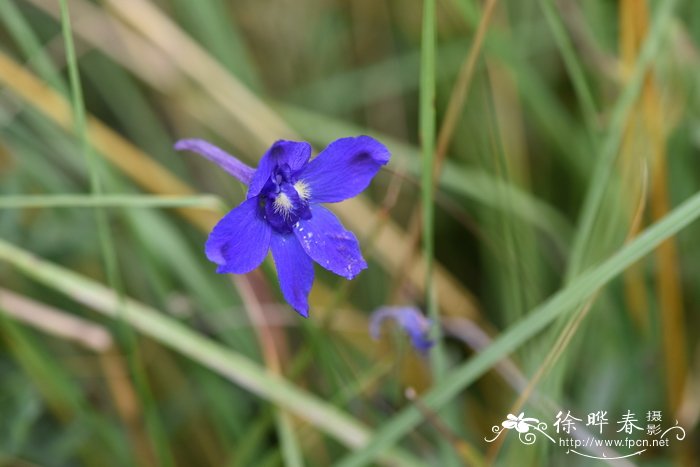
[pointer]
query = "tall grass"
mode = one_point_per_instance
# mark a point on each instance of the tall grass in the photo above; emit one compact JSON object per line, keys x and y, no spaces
{"x":553,"y":241}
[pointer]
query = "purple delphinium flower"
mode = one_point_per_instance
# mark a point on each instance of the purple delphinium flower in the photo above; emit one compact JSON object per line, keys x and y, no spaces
{"x":282,"y":211}
{"x":411,"y":321}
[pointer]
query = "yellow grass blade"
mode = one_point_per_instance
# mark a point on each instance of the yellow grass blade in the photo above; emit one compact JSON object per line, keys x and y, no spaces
{"x":649,"y":127}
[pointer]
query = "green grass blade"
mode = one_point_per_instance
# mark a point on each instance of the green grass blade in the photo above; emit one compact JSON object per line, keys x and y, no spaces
{"x":427,"y":138}
{"x":605,"y":162}
{"x":212,"y":25}
{"x":14,"y":21}
{"x":80,"y":125}
{"x":474,"y":184}
{"x":560,"y":304}
{"x":573,"y":65}
{"x":291,"y":452}
{"x":208,"y":353}
{"x":427,"y":123}
{"x":109,"y":255}
{"x":103,"y":201}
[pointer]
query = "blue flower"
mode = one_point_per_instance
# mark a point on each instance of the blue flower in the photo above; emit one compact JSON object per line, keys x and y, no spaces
{"x":410,"y":319}
{"x":282,"y":211}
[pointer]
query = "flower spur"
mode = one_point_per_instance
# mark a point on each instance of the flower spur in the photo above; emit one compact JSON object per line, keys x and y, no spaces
{"x":282,"y":211}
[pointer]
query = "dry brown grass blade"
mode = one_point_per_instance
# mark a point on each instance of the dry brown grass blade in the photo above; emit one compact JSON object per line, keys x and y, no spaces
{"x":93,"y":337}
{"x":127,"y":404}
{"x":118,"y":43}
{"x":249,"y":112}
{"x":55,"y":322}
{"x":124,"y":155}
{"x":633,"y":149}
{"x":689,"y":412}
{"x":669,"y":291}
{"x":460,"y":92}
{"x":650,"y":126}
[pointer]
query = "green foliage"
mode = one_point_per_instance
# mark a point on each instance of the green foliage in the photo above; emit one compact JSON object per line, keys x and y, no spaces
{"x":561,"y":229}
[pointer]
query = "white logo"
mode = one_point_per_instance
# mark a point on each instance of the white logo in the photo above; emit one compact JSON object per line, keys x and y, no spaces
{"x":565,"y":424}
{"x":522,"y":425}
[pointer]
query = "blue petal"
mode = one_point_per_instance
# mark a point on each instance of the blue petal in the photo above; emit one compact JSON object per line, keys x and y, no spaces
{"x":218,"y":156}
{"x":293,"y":153}
{"x":325,"y":239}
{"x":411,"y":321}
{"x":295,"y":271}
{"x":344,"y":168}
{"x":239,"y":242}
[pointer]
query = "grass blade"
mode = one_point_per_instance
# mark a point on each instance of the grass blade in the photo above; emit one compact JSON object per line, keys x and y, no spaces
{"x":560,"y":304}
{"x":120,"y":201}
{"x":609,"y":149}
{"x":212,"y":355}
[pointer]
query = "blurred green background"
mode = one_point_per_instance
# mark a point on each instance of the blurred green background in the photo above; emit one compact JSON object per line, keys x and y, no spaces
{"x":540,"y":200}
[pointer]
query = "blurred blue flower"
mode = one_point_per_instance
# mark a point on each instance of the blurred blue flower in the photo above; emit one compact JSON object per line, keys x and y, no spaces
{"x":281,"y":211}
{"x":411,"y":321}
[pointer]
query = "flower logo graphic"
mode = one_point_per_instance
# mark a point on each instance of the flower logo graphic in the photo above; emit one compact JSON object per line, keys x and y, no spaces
{"x":520,"y":423}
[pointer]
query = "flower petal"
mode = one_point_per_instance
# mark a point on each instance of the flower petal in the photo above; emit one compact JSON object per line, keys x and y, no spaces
{"x":239,"y":242}
{"x":344,"y":168}
{"x":522,"y":427}
{"x":410,"y":319}
{"x":295,"y":271}
{"x":508,"y":424}
{"x":218,"y":156}
{"x":293,"y":153}
{"x":325,"y":239}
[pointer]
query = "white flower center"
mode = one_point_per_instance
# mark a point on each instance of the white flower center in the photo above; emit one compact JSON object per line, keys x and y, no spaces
{"x":302,"y":189}
{"x":282,"y":205}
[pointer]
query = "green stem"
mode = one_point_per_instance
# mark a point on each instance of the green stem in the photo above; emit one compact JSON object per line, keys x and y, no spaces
{"x":438,"y":358}
{"x":107,"y":248}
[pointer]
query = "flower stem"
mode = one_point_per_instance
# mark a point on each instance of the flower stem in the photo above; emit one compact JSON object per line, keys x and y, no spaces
{"x":427,"y":126}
